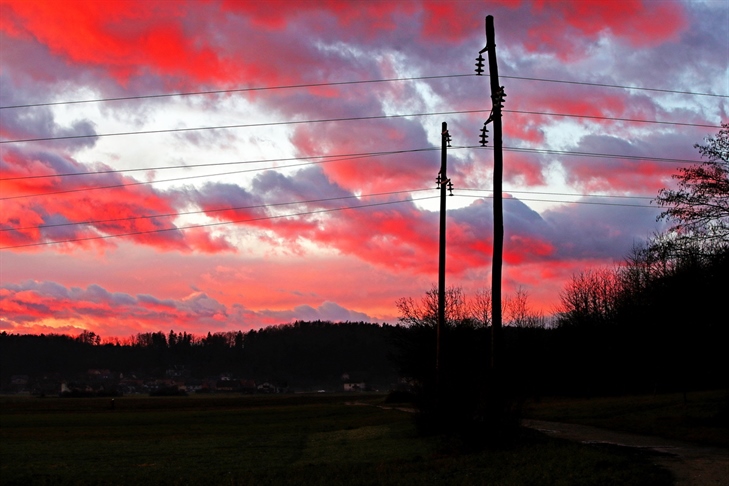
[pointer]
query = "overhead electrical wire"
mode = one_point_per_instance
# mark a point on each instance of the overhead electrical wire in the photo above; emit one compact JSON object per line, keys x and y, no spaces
{"x":610,"y":118}
{"x":596,"y":155}
{"x":305,"y":213}
{"x":342,"y":83}
{"x":213,"y":164}
{"x":217,"y":174}
{"x":332,"y":159}
{"x":341,"y":119}
{"x":205,"y":225}
{"x":595,"y":203}
{"x":267,"y":205}
{"x":235,"y":90}
{"x":344,"y":157}
{"x":213,"y":210}
{"x":620,"y":86}
{"x":546,"y":193}
{"x":242,"y":125}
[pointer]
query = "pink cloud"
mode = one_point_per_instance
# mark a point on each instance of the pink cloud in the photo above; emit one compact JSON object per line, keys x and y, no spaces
{"x":32,"y":306}
{"x":49,"y":213}
{"x":568,"y":28}
{"x":125,"y":37}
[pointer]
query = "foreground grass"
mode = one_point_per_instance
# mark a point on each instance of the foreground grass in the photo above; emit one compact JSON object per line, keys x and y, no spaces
{"x":275,"y":440}
{"x":703,"y":417}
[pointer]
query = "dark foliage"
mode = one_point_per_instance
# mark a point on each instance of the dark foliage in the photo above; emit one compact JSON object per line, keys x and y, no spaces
{"x":660,"y":328}
{"x":299,"y":355}
{"x":698,"y":209}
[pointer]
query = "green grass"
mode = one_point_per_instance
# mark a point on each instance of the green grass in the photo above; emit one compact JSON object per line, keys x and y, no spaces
{"x":314,"y":439}
{"x":702,"y":418}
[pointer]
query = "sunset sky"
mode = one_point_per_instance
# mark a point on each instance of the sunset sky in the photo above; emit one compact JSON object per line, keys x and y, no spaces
{"x":124,"y":209}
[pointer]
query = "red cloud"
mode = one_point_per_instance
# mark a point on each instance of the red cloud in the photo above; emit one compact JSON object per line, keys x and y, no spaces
{"x":564,"y":24}
{"x":275,"y":14}
{"x":375,"y":174}
{"x":644,"y":177}
{"x":48,"y":304}
{"x":523,"y":169}
{"x":57,"y":209}
{"x":127,"y":38}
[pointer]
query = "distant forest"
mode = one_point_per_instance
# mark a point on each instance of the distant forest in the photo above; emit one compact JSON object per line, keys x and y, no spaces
{"x":299,"y":355}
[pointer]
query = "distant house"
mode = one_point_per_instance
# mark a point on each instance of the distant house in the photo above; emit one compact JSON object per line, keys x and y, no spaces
{"x":355,"y":386}
{"x":269,"y":388}
{"x":100,"y":374}
{"x":227,"y":385}
{"x":247,"y":386}
{"x":177,"y":371}
{"x":19,"y":380}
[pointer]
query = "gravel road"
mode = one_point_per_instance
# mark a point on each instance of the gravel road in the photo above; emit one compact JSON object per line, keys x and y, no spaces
{"x":691,"y":464}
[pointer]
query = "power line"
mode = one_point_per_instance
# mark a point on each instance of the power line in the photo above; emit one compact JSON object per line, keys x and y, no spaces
{"x":213,"y":164}
{"x":597,"y":155}
{"x":307,"y":213}
{"x":343,"y":83}
{"x":603,"y":85}
{"x":234,"y":90}
{"x":268,"y":205}
{"x":208,"y":211}
{"x":632,"y":120}
{"x":594,"y":203}
{"x":342,"y":119}
{"x":244,"y":125}
{"x":611,"y":196}
{"x":182,"y":228}
{"x":218,"y":174}
{"x":344,"y":158}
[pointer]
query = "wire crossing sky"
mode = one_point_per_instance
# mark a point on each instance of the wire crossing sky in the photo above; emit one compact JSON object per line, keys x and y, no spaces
{"x":215,"y":166}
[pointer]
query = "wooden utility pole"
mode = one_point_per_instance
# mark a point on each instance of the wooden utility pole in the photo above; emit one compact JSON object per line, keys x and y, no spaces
{"x":444,"y":184}
{"x":497,"y":98}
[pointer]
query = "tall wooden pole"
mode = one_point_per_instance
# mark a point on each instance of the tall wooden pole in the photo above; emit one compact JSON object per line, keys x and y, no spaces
{"x":444,"y":184}
{"x":497,"y":98}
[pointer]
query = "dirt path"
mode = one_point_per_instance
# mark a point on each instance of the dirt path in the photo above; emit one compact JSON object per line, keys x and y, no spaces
{"x":691,"y":464}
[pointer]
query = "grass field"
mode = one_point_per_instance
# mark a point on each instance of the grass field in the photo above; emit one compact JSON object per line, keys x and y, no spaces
{"x":701,"y":417}
{"x":297,"y":439}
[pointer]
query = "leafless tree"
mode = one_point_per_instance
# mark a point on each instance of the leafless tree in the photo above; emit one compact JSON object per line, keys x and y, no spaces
{"x":590,"y":297}
{"x":424,"y":312}
{"x":698,"y":209}
{"x":480,"y":308}
{"x":518,"y":312}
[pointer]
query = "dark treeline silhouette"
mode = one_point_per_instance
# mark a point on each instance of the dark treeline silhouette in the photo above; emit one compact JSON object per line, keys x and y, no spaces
{"x":300,"y":355}
{"x":654,"y":324}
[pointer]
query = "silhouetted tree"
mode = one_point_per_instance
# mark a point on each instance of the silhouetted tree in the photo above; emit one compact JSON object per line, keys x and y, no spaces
{"x":518,"y":313}
{"x":481,"y":307}
{"x":424,"y":312}
{"x":698,"y":210}
{"x":459,"y":400}
{"x":590,"y":298}
{"x":89,"y":337}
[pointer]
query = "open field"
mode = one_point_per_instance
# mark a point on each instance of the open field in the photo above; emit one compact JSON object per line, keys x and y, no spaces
{"x":702,"y":418}
{"x":295,"y":439}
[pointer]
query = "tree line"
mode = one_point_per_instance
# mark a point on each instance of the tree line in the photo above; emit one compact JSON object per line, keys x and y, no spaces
{"x":299,"y":355}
